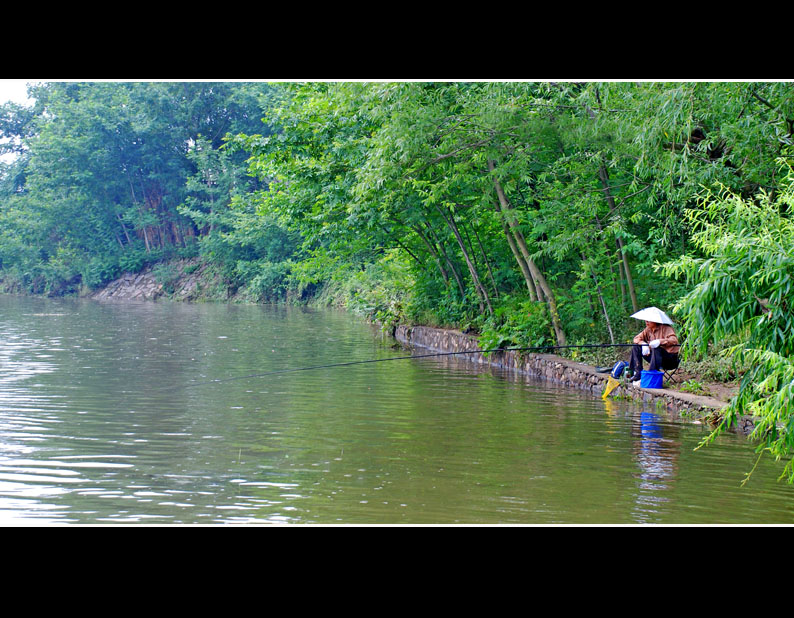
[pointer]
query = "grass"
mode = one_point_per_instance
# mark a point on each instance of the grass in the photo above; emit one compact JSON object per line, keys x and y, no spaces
{"x":694,"y":386}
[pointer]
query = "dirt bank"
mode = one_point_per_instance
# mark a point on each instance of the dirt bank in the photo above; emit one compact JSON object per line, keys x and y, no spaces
{"x":183,"y":280}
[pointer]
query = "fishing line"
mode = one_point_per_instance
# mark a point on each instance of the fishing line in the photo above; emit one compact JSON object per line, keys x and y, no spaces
{"x":395,"y":358}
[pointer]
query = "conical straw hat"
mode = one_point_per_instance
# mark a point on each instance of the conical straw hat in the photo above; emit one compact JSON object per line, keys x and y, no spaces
{"x":653,"y":314}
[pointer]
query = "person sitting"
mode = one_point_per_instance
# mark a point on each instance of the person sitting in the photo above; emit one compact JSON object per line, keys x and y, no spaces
{"x":658,"y":345}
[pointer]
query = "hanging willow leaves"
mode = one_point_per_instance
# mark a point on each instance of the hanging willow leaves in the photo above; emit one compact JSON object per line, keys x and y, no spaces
{"x":742,"y":290}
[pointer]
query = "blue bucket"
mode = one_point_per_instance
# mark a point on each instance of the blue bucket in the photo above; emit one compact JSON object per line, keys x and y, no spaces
{"x":651,"y":379}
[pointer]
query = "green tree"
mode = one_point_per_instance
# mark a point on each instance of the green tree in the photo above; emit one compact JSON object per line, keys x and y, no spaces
{"x":308,"y":165}
{"x":742,"y":290}
{"x":251,"y":250}
{"x":105,"y":168}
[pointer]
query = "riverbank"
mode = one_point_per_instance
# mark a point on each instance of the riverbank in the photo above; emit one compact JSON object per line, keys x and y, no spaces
{"x":181,"y":280}
{"x":193,"y":280}
{"x":558,"y":370}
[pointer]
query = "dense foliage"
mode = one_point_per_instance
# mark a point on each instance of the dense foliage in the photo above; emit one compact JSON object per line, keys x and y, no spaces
{"x":495,"y":195}
{"x":743,"y":292}
{"x":111,"y":177}
{"x":532,"y":213}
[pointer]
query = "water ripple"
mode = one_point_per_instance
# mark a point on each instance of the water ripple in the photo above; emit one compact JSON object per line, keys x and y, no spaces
{"x":101,"y":421}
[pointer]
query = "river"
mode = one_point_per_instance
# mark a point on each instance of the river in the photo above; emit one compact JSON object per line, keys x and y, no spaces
{"x":157,"y":413}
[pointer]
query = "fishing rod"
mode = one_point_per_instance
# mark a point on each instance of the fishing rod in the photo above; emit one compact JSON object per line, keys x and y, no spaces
{"x":395,"y":358}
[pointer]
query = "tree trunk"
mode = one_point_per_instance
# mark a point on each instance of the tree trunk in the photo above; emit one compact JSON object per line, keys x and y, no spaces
{"x":482,"y":293}
{"x":517,"y":254}
{"x":487,"y":262}
{"x":434,"y":252}
{"x":450,"y":263}
{"x":124,"y":228}
{"x":622,"y":276}
{"x":146,"y":239}
{"x":534,"y":270}
{"x":403,"y":246}
{"x":620,"y":287}
{"x":604,"y":176}
{"x":600,"y":298}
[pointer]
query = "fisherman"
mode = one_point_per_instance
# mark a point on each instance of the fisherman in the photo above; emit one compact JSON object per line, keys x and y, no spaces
{"x":657,"y":344}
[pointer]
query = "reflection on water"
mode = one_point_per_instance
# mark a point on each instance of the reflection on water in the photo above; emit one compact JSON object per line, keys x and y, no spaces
{"x":656,"y":457}
{"x":106,"y":417}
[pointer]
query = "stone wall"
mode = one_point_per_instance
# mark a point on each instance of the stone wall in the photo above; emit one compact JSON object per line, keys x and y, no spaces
{"x":558,"y":370}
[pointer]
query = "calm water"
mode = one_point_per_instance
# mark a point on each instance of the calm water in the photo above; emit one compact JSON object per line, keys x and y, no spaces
{"x":106,"y":417}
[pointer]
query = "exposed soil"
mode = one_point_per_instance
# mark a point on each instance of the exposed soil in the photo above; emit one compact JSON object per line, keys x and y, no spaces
{"x":718,"y":390}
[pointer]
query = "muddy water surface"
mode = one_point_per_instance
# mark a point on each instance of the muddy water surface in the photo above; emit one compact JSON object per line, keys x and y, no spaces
{"x":108,"y":415}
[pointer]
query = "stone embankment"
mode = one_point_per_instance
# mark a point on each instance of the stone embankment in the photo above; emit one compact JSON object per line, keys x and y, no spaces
{"x":560,"y":371}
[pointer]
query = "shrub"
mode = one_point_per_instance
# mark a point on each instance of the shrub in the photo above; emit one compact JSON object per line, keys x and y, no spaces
{"x":517,"y":322}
